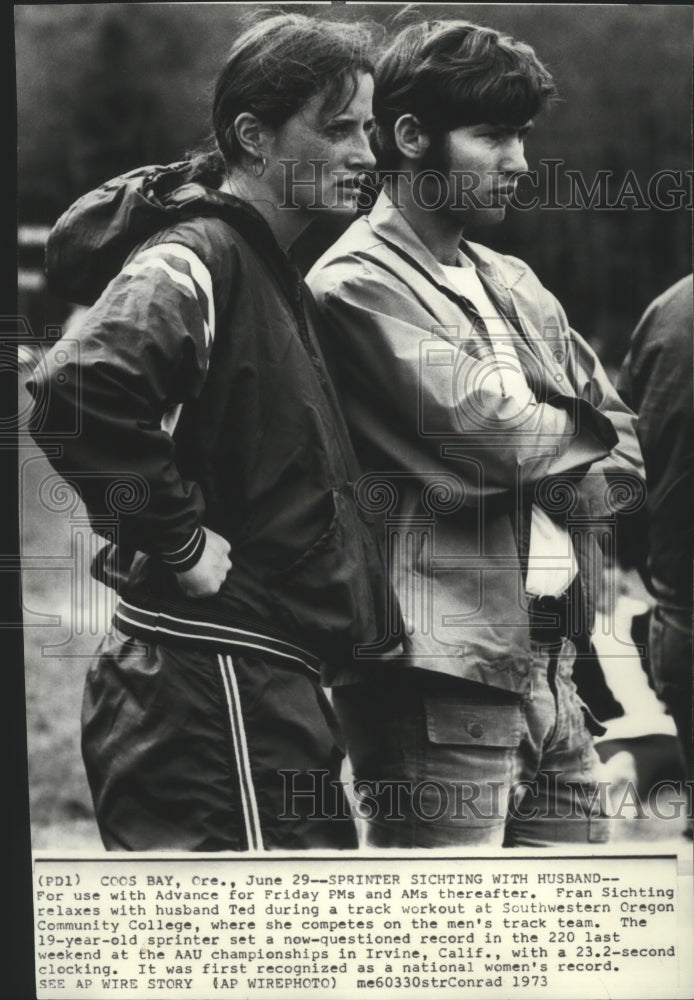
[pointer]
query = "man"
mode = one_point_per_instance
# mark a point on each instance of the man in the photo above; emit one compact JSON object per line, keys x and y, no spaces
{"x":494,"y":444}
{"x":656,"y":380}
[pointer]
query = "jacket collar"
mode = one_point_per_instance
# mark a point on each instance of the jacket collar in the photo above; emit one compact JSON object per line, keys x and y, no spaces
{"x":499,"y":275}
{"x":193,"y":198}
{"x":388,"y":223}
{"x":92,"y":240}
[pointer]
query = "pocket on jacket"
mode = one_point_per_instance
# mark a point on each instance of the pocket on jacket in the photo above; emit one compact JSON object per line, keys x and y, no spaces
{"x":325,"y":596}
{"x":469,"y":724}
{"x":323,"y":541}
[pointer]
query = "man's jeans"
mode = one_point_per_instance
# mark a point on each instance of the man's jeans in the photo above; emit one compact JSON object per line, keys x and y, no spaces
{"x":440,"y":761}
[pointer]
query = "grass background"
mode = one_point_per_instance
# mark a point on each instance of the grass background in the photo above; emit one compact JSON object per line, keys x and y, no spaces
{"x":55,"y":659}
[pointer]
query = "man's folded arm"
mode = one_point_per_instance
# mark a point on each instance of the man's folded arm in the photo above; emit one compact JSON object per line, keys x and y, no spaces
{"x":438,"y":380}
{"x":616,"y":481}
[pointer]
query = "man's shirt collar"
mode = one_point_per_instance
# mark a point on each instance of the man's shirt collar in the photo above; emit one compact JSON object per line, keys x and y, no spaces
{"x":388,"y":223}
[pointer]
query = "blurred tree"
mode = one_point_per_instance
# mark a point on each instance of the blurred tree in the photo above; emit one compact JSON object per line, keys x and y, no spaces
{"x":114,"y":113}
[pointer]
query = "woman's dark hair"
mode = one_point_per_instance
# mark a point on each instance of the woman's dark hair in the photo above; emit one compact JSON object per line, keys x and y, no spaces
{"x":453,"y":73}
{"x":274,"y":67}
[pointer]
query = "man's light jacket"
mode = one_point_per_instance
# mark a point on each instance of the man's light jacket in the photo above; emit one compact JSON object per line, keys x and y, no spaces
{"x":453,"y":462}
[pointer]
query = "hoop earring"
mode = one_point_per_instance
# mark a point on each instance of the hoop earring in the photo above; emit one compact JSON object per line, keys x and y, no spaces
{"x":259,"y":167}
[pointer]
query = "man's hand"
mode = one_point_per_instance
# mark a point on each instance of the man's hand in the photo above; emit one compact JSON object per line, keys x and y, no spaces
{"x":209,"y":573}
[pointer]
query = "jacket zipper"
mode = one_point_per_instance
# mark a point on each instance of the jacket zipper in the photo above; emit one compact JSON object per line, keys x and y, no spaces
{"x":349,"y":461}
{"x":305,"y":337}
{"x":290,"y":281}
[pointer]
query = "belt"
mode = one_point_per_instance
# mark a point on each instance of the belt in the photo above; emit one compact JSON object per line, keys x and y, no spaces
{"x":548,"y":618}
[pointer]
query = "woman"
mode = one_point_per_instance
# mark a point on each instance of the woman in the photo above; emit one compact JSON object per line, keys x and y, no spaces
{"x":210,"y":437}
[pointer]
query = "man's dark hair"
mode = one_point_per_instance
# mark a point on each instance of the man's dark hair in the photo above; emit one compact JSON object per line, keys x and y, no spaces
{"x":453,"y":73}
